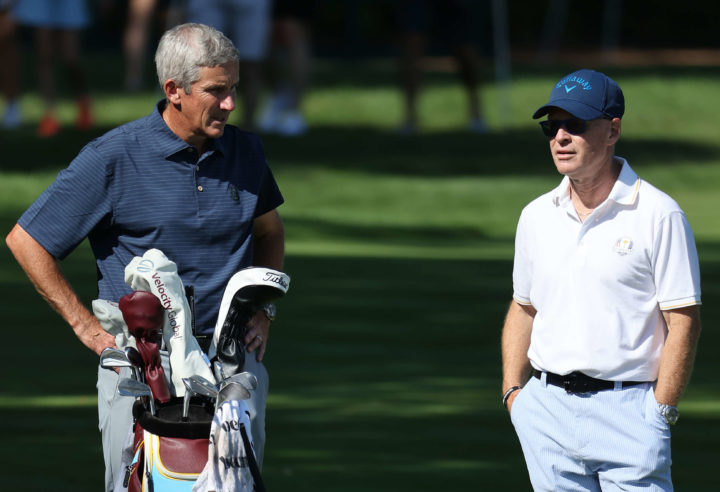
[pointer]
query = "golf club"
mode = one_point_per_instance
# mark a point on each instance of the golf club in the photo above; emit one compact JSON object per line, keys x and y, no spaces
{"x":137,"y":362}
{"x":218,"y":371}
{"x":230,"y":392}
{"x":189,"y":385}
{"x":201,"y":386}
{"x":258,"y":484}
{"x":247,"y":379}
{"x":110,"y":358}
{"x":131,"y":387}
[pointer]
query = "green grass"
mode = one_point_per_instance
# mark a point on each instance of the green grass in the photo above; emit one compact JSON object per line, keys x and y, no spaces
{"x":385,"y":360}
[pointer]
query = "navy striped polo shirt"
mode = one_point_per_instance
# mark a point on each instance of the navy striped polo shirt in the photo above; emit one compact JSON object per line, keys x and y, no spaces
{"x":140,"y":186}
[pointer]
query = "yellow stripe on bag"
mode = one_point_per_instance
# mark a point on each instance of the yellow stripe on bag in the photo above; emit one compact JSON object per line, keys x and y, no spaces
{"x":157,"y":464}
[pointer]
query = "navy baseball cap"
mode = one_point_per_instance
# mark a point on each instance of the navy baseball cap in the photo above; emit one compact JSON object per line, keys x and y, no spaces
{"x":586,"y":94}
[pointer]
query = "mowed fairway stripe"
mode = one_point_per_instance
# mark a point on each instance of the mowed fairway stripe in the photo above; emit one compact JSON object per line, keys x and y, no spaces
{"x":700,"y":407}
{"x":48,"y":401}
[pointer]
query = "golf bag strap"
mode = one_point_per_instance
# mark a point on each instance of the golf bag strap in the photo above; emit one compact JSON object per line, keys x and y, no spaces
{"x":258,"y":484}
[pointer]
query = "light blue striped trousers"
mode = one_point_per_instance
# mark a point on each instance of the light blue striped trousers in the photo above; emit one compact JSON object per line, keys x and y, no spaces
{"x":610,"y":440}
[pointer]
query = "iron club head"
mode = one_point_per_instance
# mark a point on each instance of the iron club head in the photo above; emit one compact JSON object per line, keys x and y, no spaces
{"x":247,"y":379}
{"x":231,"y":391}
{"x":110,"y":358}
{"x":137,"y":389}
{"x":201,"y":386}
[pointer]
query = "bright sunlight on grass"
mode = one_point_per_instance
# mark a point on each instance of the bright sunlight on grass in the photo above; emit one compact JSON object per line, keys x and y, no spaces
{"x":385,"y":361}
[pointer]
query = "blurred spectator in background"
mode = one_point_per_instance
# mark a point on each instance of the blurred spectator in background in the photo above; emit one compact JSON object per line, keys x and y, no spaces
{"x":135,"y":40}
{"x":247,"y":24}
{"x":289,"y":66}
{"x":57,"y":25}
{"x":448,"y":21}
{"x":8,"y":75}
{"x":555,"y":27}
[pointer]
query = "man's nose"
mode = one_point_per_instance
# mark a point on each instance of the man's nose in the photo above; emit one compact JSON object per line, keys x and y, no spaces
{"x":562,"y":134}
{"x":228,"y":102}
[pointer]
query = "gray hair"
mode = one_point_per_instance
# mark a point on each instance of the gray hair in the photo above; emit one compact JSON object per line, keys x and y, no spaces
{"x":185,"y":49}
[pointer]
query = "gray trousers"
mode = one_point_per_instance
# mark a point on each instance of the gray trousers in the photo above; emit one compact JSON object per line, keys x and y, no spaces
{"x":115,"y":414}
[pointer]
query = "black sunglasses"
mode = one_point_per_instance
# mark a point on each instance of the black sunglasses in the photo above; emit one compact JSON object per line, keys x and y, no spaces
{"x":574,"y":126}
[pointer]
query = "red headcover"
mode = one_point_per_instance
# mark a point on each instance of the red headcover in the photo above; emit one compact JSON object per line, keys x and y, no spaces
{"x":144,"y":316}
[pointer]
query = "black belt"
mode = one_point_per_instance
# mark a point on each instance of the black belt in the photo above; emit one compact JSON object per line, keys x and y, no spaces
{"x":577,"y":382}
{"x":204,"y":341}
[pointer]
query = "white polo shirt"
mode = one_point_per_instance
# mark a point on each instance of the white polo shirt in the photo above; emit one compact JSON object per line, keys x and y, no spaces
{"x":599,"y":286}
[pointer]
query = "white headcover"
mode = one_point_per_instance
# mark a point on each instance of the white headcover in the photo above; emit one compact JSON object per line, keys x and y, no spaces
{"x":227,"y":465}
{"x":111,"y":319}
{"x":155,"y":273}
{"x":247,"y":276}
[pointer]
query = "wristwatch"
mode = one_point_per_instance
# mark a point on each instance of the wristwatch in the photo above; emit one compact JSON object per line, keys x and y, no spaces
{"x":270,"y":311}
{"x":670,"y":413}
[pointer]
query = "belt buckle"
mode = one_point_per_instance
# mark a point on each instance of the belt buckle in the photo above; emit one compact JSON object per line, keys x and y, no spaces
{"x":573,"y":383}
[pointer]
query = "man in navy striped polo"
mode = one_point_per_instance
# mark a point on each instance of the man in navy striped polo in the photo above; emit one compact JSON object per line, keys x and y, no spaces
{"x":180,"y":180}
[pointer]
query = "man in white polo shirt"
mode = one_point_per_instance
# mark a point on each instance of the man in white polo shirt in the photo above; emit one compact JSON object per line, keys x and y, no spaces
{"x":600,"y":337}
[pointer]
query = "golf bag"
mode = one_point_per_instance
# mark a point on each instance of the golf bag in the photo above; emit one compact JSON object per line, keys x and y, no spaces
{"x":168,"y":454}
{"x":211,"y":448}
{"x":209,"y":451}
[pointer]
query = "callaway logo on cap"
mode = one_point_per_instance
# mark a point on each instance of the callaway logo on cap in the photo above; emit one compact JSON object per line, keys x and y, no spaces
{"x":586,"y":94}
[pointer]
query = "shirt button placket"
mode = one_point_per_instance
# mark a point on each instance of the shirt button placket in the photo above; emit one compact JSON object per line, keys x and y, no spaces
{"x":580,"y":252}
{"x":196,"y":168}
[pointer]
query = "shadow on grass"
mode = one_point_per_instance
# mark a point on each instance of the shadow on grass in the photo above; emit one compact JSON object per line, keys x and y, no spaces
{"x":385,"y":377}
{"x":388,"y":234}
{"x":383,"y":72}
{"x":52,"y":449}
{"x":379,"y":151}
{"x":384,"y":372}
{"x":456,"y":153}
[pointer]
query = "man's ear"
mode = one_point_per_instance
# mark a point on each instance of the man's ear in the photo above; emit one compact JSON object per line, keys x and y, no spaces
{"x":172,"y":91}
{"x":615,"y":126}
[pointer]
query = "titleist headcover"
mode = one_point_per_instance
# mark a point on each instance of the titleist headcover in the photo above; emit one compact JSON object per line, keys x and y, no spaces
{"x":247,"y":292}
